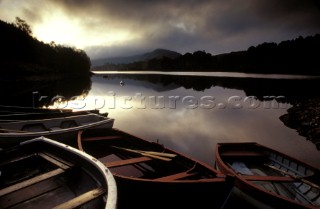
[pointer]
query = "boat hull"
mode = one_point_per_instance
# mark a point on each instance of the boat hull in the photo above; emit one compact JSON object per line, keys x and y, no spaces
{"x":246,"y":161}
{"x":152,"y":194}
{"x":154,"y":183}
{"x":65,"y":134}
{"x":43,"y":173}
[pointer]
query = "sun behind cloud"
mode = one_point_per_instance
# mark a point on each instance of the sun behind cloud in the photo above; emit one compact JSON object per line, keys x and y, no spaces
{"x":58,"y":28}
{"x":52,"y":23}
{"x":63,"y":29}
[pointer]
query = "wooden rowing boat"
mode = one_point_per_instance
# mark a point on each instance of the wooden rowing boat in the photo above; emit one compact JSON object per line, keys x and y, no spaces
{"x":149,"y":175}
{"x":61,"y":128}
{"x":42,"y":173}
{"x":14,"y":117}
{"x":5,"y":109}
{"x":269,"y":178}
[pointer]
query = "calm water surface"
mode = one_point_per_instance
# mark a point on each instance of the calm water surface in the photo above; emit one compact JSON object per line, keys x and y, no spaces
{"x":192,"y":115}
{"x":190,"y":112}
{"x":215,"y":74}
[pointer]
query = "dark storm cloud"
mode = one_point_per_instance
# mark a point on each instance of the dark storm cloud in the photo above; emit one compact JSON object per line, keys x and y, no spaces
{"x":188,"y":25}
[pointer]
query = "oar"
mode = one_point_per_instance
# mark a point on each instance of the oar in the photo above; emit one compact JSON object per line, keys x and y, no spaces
{"x":150,"y":152}
{"x":145,"y":153}
{"x":159,"y":153}
{"x":301,"y":178}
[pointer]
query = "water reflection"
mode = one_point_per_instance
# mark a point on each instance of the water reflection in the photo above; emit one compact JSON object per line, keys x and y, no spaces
{"x":291,"y":89}
{"x":193,"y":129}
{"x":210,"y":74}
{"x":40,"y":92}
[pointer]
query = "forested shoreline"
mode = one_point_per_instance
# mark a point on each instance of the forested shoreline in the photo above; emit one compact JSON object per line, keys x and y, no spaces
{"x":25,"y":57}
{"x":298,"y":56}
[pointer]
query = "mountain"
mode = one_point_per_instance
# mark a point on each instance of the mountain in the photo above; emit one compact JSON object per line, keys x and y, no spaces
{"x":156,"y":54}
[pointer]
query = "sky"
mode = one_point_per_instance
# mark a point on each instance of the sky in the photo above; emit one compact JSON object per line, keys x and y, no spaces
{"x":110,"y":28}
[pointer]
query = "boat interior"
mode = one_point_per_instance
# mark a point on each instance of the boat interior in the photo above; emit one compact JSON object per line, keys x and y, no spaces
{"x":275,"y":173}
{"x":127,"y":155}
{"x":44,"y":180}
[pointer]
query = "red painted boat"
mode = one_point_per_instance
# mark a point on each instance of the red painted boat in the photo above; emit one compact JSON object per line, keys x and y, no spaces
{"x":149,"y":175}
{"x":268,"y":178}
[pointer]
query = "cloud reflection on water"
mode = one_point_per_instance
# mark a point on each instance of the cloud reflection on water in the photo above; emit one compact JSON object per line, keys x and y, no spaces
{"x":196,"y":131}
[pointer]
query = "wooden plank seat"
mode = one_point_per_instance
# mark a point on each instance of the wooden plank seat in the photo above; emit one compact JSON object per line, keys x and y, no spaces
{"x":28,"y":193}
{"x":243,"y":153}
{"x":176,"y":176}
{"x":62,"y":166}
{"x":82,"y":199}
{"x":126,"y":162}
{"x":31,"y":181}
{"x":269,"y":178}
{"x":98,"y":138}
{"x":55,"y":160}
{"x":16,"y":159}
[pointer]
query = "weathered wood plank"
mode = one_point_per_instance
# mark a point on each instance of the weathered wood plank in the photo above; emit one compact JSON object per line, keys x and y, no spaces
{"x":31,"y":181}
{"x":243,"y":153}
{"x":126,"y":162}
{"x":101,"y":138}
{"x":27,"y":193}
{"x":55,"y":160}
{"x":176,"y":176}
{"x":15,"y":160}
{"x":82,"y":199}
{"x":268,"y":178}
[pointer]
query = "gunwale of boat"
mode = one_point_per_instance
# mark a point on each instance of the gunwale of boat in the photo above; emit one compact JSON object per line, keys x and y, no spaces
{"x":45,"y":127}
{"x":160,"y":180}
{"x":62,"y":169}
{"x":216,"y":176}
{"x":7,"y":109}
{"x":81,"y":118}
{"x":248,"y":183}
{"x":16,"y":117}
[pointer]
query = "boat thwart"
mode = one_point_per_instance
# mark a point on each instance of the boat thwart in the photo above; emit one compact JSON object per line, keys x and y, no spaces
{"x":42,"y":173}
{"x":268,"y":178}
{"x":150,"y":175}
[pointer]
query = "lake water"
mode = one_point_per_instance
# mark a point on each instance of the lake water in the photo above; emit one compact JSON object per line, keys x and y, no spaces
{"x":191,"y":114}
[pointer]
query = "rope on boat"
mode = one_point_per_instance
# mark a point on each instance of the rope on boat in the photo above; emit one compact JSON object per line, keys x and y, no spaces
{"x":300,"y":178}
{"x":227,"y":199}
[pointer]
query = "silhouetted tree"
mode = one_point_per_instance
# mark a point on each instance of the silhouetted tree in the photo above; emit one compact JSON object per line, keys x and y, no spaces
{"x":22,"y":55}
{"x":22,"y":25}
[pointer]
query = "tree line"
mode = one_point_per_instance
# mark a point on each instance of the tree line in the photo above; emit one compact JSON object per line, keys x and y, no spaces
{"x":23,"y":55}
{"x":297,"y":56}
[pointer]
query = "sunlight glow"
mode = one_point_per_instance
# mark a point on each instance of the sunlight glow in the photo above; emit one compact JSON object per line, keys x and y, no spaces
{"x":57,"y":28}
{"x":61,"y":29}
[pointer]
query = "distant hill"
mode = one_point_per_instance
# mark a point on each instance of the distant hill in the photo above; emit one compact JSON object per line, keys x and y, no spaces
{"x":297,"y":56}
{"x":156,"y":54}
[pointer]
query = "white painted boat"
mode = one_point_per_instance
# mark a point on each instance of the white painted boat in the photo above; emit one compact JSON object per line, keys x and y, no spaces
{"x":62,"y":128}
{"x":15,"y":117}
{"x":43,"y":173}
